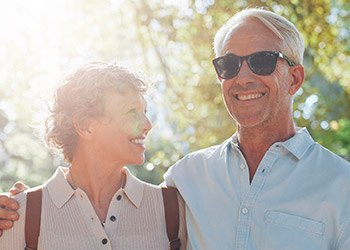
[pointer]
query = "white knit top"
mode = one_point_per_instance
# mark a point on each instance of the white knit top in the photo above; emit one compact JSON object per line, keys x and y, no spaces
{"x":135,"y":219}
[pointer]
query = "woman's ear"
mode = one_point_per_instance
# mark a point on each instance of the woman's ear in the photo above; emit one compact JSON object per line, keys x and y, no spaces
{"x":297,"y":72}
{"x":85,"y":127}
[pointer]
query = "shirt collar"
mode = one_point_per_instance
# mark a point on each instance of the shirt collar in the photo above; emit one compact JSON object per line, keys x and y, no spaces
{"x":229,"y":142}
{"x":299,"y":143}
{"x":232,"y":142}
{"x":58,"y":187}
{"x":61,"y":191}
{"x":133,"y":188}
{"x":296,"y":145}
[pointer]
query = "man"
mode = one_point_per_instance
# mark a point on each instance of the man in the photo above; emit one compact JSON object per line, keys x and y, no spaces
{"x":269,"y":186}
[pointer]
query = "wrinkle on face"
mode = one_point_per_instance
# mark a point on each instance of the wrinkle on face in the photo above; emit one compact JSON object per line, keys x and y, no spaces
{"x":249,"y":37}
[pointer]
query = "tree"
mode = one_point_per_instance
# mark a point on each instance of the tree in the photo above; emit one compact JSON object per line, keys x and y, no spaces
{"x":171,"y":43}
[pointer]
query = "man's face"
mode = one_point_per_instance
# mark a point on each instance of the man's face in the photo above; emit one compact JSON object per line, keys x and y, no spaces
{"x":254,"y":100}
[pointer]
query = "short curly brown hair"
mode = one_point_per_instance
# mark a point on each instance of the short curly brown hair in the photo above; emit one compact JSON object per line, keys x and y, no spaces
{"x":80,"y":95}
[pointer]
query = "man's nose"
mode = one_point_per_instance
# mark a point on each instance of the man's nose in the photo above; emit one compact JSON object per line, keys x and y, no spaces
{"x":245,"y":74}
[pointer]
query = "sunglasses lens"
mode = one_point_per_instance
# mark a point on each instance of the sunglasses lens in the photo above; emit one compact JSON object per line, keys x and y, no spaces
{"x":227,"y":66}
{"x":263,"y":63}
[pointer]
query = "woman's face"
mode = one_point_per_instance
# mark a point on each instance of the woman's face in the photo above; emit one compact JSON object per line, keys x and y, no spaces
{"x":120,"y":134}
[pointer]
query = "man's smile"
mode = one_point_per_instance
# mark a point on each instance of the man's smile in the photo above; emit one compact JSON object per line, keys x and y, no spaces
{"x":248,"y":97}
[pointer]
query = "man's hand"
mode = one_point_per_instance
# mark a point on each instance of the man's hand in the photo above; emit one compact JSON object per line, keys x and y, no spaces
{"x":7,"y":216}
{"x":8,"y":206}
{"x":17,"y":188}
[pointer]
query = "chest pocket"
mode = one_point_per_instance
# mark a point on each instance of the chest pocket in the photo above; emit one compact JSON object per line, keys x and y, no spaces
{"x":294,"y":221}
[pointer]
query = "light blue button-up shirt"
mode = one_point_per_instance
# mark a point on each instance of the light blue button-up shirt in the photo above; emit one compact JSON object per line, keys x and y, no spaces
{"x":299,"y":198}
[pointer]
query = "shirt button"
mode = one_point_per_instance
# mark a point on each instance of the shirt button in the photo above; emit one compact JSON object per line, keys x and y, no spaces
{"x":119,"y":197}
{"x":104,"y":241}
{"x":244,"y":210}
{"x":242,"y":166}
{"x":112,"y":218}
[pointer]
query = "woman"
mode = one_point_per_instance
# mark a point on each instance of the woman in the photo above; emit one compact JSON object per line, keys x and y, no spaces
{"x":99,"y":123}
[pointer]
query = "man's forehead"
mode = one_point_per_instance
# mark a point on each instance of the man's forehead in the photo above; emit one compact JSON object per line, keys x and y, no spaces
{"x":250,"y":27}
{"x":252,"y":31}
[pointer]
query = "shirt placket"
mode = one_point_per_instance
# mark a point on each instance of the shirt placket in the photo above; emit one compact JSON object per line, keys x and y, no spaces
{"x":89,"y":213}
{"x":246,"y":208}
{"x":113,"y":216}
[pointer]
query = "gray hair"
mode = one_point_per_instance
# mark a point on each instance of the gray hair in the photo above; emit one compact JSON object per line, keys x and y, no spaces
{"x":81,"y":95}
{"x":284,"y":29}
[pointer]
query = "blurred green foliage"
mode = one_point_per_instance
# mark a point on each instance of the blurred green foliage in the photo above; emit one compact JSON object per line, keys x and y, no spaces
{"x":171,"y":43}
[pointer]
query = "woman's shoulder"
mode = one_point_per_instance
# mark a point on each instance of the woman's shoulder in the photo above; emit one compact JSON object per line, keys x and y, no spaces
{"x":21,"y":198}
{"x":149,"y":187}
{"x":158,"y":198}
{"x":152,"y":190}
{"x":14,"y":237}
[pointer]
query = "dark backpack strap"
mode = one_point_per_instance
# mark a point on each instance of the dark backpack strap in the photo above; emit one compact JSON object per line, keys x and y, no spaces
{"x":33,"y":216}
{"x":171,"y":208}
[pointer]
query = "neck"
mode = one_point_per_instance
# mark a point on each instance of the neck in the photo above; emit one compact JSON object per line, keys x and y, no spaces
{"x":255,"y":141}
{"x":99,"y":181}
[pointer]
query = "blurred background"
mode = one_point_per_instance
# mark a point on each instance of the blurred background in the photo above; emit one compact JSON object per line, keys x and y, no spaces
{"x":169,"y":42}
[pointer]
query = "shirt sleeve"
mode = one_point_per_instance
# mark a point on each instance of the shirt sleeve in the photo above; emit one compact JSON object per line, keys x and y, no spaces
{"x":182,"y":223}
{"x":13,"y":239}
{"x":168,"y":178}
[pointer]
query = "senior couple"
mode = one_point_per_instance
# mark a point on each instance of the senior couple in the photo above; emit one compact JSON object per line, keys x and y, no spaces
{"x":269,"y":186}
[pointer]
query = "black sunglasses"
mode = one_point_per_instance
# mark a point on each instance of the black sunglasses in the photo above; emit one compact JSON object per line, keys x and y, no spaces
{"x":261,"y":63}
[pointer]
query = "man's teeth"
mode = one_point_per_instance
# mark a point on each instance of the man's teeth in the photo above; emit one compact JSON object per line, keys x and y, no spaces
{"x":138,"y":141}
{"x":249,"y":97}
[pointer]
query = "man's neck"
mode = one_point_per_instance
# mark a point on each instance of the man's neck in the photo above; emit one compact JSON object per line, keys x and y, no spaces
{"x":254,"y":142}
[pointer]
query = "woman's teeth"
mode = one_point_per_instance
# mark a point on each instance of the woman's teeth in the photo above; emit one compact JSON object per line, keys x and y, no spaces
{"x":138,"y":141}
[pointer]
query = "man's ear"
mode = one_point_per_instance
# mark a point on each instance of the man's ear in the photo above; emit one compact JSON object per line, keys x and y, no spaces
{"x":297,"y":72}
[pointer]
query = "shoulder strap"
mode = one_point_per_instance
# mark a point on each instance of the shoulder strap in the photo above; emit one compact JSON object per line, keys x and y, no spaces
{"x":171,"y":208}
{"x":33,"y":216}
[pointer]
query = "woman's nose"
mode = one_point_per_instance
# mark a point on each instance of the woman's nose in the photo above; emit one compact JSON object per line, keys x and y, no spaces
{"x":146,"y":124}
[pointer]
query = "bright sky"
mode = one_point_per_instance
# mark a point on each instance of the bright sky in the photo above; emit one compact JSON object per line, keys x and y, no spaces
{"x":37,"y":42}
{"x":40,"y":38}
{"x":29,"y":51}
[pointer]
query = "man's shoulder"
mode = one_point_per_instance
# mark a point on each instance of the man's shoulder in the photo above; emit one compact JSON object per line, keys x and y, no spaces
{"x":202,"y":153}
{"x":305,"y":147}
{"x":201,"y":158}
{"x":328,"y":156}
{"x":211,"y":152}
{"x":196,"y":166}
{"x":326,"y":160}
